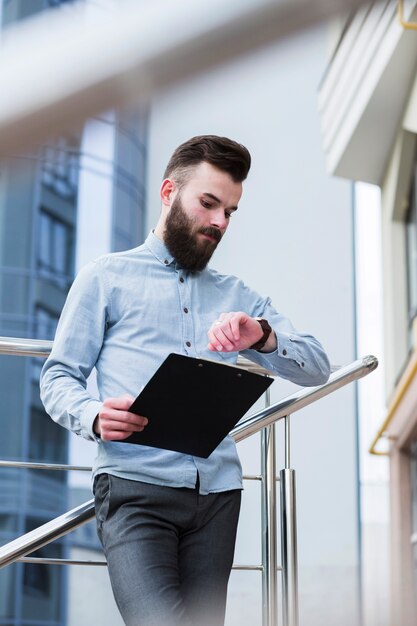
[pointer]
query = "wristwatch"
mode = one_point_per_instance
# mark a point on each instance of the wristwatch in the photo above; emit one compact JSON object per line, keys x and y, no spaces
{"x":266,"y":330}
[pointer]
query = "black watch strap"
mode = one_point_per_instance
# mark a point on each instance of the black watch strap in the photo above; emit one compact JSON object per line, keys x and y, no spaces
{"x":266,"y":330}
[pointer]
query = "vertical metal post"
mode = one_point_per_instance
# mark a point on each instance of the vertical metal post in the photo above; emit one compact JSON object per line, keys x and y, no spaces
{"x":289,"y":537}
{"x":269,"y":524}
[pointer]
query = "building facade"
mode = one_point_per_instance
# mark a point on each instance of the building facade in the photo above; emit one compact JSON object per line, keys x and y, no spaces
{"x":368,"y":103}
{"x":79,"y":194}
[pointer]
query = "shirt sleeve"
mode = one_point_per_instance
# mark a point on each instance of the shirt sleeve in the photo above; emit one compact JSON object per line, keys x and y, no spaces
{"x":299,"y":356}
{"x":76,"y":347}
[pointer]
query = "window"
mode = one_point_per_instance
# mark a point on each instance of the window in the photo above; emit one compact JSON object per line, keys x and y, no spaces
{"x":60,"y":164}
{"x":411,"y":248}
{"x":46,"y":323}
{"x":56,"y":244}
{"x":48,"y":441}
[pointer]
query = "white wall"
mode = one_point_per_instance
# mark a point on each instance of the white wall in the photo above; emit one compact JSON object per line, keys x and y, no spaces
{"x":291,"y":239}
{"x":90,"y":599}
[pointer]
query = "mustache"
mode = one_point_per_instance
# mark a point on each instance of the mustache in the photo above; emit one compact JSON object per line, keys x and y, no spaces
{"x":211,"y":232}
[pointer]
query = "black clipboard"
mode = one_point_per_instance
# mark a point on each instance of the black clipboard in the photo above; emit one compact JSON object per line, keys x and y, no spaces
{"x":192,"y":404}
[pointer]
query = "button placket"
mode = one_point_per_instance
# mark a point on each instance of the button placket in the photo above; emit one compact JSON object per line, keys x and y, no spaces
{"x":187,"y":322}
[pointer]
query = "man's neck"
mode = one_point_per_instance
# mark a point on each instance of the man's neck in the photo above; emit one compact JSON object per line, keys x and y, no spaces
{"x":159,"y":231}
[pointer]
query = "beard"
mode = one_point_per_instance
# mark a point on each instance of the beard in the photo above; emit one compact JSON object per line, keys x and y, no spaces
{"x":181,"y":238}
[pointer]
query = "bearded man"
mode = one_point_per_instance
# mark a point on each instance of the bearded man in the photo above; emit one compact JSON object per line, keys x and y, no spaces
{"x":167,"y":520}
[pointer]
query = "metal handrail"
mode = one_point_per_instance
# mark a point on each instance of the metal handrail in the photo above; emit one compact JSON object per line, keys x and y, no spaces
{"x":77,"y":468}
{"x":45,"y":534}
{"x":44,"y":561}
{"x":302,"y":398}
{"x":45,"y":466}
{"x":18,"y":346}
{"x":25,"y":347}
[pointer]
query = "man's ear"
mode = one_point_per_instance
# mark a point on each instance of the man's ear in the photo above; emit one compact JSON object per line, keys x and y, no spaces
{"x":166,"y":192}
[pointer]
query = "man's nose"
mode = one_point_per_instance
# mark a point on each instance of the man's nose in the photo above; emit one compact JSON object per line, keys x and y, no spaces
{"x":218,"y":219}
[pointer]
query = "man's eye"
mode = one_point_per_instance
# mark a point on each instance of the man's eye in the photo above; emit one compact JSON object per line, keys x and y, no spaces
{"x":205,"y":204}
{"x":228,"y":214}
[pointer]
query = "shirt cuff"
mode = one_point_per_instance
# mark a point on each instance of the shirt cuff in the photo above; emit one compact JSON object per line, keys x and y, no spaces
{"x":87,"y":420}
{"x":287,"y":348}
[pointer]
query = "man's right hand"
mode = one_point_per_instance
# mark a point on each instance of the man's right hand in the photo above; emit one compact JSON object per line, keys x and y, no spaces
{"x":115,"y":423}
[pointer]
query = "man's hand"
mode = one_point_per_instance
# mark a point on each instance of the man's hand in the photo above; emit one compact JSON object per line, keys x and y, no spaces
{"x":237,"y":331}
{"x":115,"y":423}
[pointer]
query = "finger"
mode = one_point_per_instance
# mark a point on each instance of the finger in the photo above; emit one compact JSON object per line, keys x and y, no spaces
{"x":228,"y":329}
{"x":122,"y":402}
{"x":214,"y":343}
{"x":122,"y":428}
{"x":212,"y":337}
{"x":115,"y":424}
{"x":113,"y":430}
{"x":235,"y":327}
{"x":222,"y":340}
{"x":218,"y":331}
{"x":121,"y":417}
{"x":115,"y":435}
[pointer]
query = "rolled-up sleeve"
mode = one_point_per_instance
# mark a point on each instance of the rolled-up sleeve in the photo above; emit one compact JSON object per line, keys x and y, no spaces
{"x":76,"y":347}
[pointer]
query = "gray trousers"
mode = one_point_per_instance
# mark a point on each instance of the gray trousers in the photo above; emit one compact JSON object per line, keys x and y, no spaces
{"x":169,"y":550}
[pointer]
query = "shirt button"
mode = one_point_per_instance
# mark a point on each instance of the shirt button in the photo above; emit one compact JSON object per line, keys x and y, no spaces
{"x":188,"y":344}
{"x":284,"y":352}
{"x":185,"y":310}
{"x":166,"y":261}
{"x":181,"y":279}
{"x":302,"y":364}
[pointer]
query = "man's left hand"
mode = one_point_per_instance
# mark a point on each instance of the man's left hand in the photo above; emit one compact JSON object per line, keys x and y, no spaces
{"x":236,"y":331}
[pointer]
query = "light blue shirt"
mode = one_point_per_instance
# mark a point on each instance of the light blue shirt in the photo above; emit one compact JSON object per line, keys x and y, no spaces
{"x":124,"y":314}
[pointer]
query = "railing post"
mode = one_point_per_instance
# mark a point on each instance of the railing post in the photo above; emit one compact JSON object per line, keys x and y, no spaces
{"x":289,"y":537}
{"x":269,"y":525}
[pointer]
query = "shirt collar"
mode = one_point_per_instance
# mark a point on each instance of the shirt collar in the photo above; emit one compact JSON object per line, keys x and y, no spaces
{"x":159,"y":249}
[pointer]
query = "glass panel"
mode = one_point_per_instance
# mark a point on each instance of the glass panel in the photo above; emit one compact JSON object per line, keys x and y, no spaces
{"x":48,"y":441}
{"x":411,"y":250}
{"x":55,"y":244}
{"x":7,"y":591}
{"x":60,"y":242}
{"x":8,"y":523}
{"x":35,"y":370}
{"x":14,"y":292}
{"x":12,"y":388}
{"x":46,"y":324}
{"x":44,"y":240}
{"x":412,"y":273}
{"x":60,"y":165}
{"x":42,"y":583}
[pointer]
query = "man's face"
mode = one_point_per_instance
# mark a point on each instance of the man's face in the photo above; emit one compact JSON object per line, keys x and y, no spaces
{"x":199,"y":216}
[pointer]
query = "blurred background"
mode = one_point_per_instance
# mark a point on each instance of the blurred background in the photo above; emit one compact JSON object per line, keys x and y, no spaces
{"x":93,"y":102}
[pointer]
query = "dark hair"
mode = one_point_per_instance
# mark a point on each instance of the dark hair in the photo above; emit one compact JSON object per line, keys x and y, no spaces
{"x":229,"y":156}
